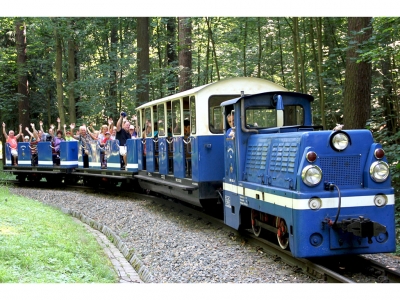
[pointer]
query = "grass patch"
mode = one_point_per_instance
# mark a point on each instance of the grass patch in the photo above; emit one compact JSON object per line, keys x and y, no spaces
{"x":5,"y":175}
{"x":40,"y":244}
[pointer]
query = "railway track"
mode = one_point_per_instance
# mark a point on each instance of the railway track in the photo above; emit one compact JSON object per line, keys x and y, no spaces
{"x":332,"y":270}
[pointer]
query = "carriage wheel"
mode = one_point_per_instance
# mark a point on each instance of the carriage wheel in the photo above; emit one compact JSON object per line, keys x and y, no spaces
{"x":255,"y":216}
{"x":282,"y":236}
{"x":21,"y":178}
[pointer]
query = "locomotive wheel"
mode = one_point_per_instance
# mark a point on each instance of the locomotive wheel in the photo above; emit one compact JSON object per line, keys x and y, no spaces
{"x":281,"y":235}
{"x":255,"y":216}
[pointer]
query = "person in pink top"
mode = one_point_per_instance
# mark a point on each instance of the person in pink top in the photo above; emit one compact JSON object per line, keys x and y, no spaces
{"x":12,"y":140}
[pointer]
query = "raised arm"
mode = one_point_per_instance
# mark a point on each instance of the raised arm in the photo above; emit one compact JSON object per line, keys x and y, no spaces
{"x":4,"y":131}
{"x":34,"y":131}
{"x":51,"y":132}
{"x":20,"y":132}
{"x":119,"y":122}
{"x":27,"y":130}
{"x":59,"y":125}
{"x":110,"y":124}
{"x":92,"y":135}
{"x":72,"y":126}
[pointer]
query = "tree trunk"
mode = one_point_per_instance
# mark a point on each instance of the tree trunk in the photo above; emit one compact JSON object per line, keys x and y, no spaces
{"x":357,"y":92}
{"x":185,"y":54}
{"x":244,"y":47}
{"x":172,"y":57}
{"x":23,"y":90}
{"x":281,"y":64}
{"x":112,"y":107}
{"x":59,"y":80}
{"x":143,"y":70}
{"x":303,"y":85}
{"x":319,"y":72}
{"x":259,"y":48}
{"x":71,"y":81}
{"x":388,"y":98}
{"x":208,"y":52}
{"x":295,"y":54}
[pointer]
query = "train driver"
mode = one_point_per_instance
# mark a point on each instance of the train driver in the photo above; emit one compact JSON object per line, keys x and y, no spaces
{"x":230,"y":118}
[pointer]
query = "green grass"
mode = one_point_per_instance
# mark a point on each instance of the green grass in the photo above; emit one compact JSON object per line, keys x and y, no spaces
{"x":40,"y":244}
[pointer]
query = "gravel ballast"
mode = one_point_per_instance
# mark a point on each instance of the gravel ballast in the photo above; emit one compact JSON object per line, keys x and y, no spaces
{"x":174,"y":248}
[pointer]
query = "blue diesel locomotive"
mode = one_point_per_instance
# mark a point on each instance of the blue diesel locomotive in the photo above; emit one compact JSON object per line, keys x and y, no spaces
{"x":320,"y":192}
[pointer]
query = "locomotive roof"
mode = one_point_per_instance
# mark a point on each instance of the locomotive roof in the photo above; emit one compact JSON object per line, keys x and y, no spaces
{"x":234,"y":100}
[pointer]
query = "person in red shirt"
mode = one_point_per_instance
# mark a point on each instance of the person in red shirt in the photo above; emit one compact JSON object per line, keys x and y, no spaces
{"x":12,"y":140}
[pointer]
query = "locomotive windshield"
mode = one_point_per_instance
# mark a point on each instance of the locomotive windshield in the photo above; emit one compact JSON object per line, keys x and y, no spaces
{"x":264,"y":117}
{"x":260,"y":117}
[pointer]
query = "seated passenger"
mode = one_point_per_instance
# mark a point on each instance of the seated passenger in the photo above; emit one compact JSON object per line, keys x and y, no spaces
{"x":103,"y":154}
{"x":56,"y":147}
{"x":132,"y":131}
{"x":187,"y":146}
{"x":122,"y":136}
{"x":12,"y":140}
{"x":85,"y":140}
{"x":34,"y":152}
{"x":68,"y":133}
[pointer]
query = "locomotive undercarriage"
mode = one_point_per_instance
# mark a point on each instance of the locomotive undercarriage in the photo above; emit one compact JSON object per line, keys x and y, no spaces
{"x":276,"y":225}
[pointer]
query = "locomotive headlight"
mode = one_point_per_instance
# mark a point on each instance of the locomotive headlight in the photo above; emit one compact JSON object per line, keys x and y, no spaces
{"x":379,"y":171}
{"x":380,"y":200}
{"x":311,"y":175}
{"x":314,"y":203}
{"x":340,"y":141}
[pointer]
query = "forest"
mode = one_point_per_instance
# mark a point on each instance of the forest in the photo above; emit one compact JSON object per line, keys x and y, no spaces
{"x":87,"y":69}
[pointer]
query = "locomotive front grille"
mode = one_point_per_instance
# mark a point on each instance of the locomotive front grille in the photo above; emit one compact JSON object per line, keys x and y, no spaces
{"x":343,"y":171}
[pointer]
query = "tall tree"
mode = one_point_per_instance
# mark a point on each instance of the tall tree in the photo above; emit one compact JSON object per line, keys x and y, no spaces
{"x":172,"y":58}
{"x":244,"y":47}
{"x":389,"y":97}
{"x":319,"y":66}
{"x":71,"y":80}
{"x":59,"y":77}
{"x":23,"y":89}
{"x":113,"y":60}
{"x":357,"y":92}
{"x":214,"y":52}
{"x":185,"y":54}
{"x":143,"y":67}
{"x":295,"y":21}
